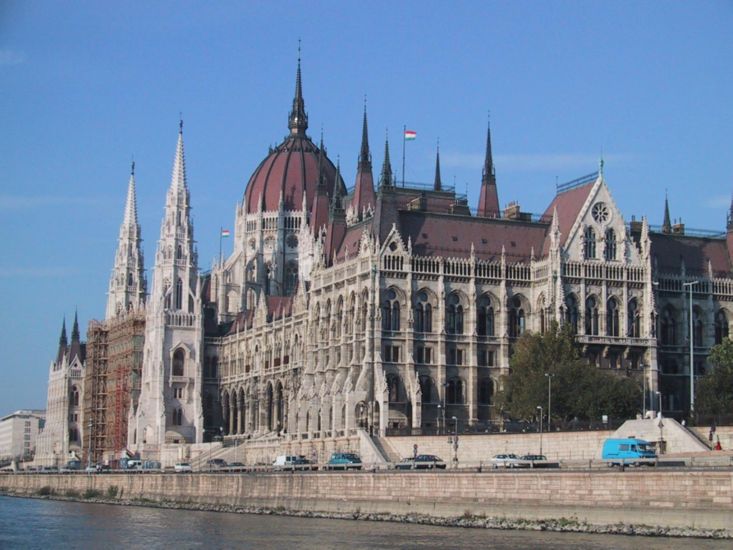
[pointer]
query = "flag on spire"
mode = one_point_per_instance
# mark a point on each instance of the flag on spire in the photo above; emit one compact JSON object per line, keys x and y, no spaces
{"x":225,"y":233}
{"x":410,"y":135}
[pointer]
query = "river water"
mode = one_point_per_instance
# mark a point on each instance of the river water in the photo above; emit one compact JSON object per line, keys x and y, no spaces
{"x":33,"y":523}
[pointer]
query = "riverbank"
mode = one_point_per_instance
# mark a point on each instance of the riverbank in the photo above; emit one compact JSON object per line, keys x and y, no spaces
{"x":561,"y":525}
{"x":679,"y":503}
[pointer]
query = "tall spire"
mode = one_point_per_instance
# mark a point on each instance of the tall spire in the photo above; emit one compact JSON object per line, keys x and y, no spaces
{"x":298,"y":120}
{"x":365,"y":157}
{"x":178,"y":178}
{"x":385,"y":178}
{"x":667,"y":223}
{"x":63,"y":343}
{"x":730,"y":216}
{"x":437,"y":186}
{"x":488,"y":202}
{"x":364,"y":196}
{"x":127,"y":283}
{"x":75,"y":329}
{"x":336,"y":209}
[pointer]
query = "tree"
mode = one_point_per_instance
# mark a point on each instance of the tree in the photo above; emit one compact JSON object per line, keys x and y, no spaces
{"x":579,"y":390}
{"x":714,"y":391}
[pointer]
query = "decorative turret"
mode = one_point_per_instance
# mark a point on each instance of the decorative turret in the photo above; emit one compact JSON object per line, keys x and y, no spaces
{"x":386,"y":178}
{"x":75,"y":346}
{"x":437,"y":185}
{"x":320,"y":206}
{"x":127,"y":283}
{"x":730,"y":217}
{"x":298,"y":119}
{"x":488,"y":202}
{"x":667,"y":223}
{"x":364,"y":196}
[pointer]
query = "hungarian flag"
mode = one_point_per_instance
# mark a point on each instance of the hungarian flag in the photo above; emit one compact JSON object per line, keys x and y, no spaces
{"x":410,"y":135}
{"x":224,"y":232}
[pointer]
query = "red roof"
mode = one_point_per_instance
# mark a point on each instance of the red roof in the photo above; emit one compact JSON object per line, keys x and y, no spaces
{"x":291,"y":170}
{"x":568,"y":204}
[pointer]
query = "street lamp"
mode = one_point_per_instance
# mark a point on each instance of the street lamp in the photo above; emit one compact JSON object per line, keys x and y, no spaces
{"x":692,"y":352}
{"x":549,"y":400}
{"x":643,"y":390}
{"x":539,"y":407}
{"x":455,"y":442}
{"x":89,"y":454}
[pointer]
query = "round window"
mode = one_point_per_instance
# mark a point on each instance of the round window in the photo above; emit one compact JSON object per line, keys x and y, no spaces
{"x":601,"y":213}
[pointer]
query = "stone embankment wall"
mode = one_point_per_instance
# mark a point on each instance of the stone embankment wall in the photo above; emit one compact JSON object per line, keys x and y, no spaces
{"x":683,"y":499}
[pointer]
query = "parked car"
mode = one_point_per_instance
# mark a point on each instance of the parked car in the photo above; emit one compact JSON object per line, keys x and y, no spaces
{"x":103,"y":468}
{"x":628,"y":451}
{"x":72,"y":466}
{"x":182,"y":468}
{"x":534,"y":458}
{"x":507,"y":461}
{"x":234,"y":466}
{"x":344,"y":461}
{"x":421,"y":462}
{"x":216,"y":464}
{"x":292,"y":462}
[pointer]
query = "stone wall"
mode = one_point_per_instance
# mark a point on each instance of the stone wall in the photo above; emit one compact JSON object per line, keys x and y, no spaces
{"x":685,"y":499}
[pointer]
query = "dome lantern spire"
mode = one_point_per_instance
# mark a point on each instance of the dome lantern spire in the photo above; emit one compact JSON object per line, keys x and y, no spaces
{"x":298,"y":120}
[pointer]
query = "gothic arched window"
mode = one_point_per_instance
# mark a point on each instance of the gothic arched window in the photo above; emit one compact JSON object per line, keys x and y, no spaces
{"x":74,"y":396}
{"x":633,"y":319}
{"x":485,"y":391}
{"x":612,"y":328}
{"x":426,"y":389}
{"x":591,"y":316}
{"x":668,"y":332}
{"x":721,"y":326}
{"x":291,"y":278}
{"x":610,"y":253}
{"x":590,"y":243}
{"x":454,"y":392}
{"x":454,"y":315}
{"x":179,"y":294}
{"x":178,"y":358}
{"x":423,"y":313}
{"x":391,"y":311}
{"x":393,"y":388}
{"x":697,"y":326}
{"x":516,"y":318}
{"x":485,"y":317}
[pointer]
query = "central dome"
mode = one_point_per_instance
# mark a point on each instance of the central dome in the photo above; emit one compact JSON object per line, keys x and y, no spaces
{"x":293,"y":170}
{"x":290,"y":171}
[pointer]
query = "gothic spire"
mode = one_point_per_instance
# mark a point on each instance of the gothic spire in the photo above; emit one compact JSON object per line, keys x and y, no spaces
{"x":75,"y":329}
{"x":437,"y":186}
{"x":488,"y":203}
{"x":730,"y":215}
{"x":298,"y":120}
{"x":63,"y":343}
{"x":127,"y":283}
{"x":667,"y":223}
{"x":178,"y":178}
{"x":385,"y":178}
{"x":365,"y":157}
{"x":336,"y":203}
{"x":364,"y":188}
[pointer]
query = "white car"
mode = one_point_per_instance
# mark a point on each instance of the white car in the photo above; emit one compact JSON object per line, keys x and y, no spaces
{"x":183,"y":467}
{"x":507,"y":461}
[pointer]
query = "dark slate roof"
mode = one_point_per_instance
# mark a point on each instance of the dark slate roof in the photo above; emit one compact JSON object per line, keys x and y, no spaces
{"x":670,"y":250}
{"x":279,"y":307}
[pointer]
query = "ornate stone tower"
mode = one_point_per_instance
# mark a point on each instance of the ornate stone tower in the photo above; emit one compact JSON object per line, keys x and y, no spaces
{"x":170,"y":409}
{"x":127,"y":284}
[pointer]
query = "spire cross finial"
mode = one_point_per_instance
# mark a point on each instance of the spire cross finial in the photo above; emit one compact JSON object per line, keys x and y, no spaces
{"x":132,"y":168}
{"x":180,"y":122}
{"x":298,"y":51}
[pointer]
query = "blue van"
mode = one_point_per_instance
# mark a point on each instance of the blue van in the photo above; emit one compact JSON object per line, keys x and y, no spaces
{"x":628,"y":451}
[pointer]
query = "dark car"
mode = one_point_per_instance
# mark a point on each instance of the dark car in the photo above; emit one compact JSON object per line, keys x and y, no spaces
{"x":216,"y":464}
{"x":534,"y":458}
{"x":344,"y":461}
{"x":421,"y":462}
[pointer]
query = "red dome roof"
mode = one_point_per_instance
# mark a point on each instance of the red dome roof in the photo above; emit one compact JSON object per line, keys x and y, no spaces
{"x":291,"y":170}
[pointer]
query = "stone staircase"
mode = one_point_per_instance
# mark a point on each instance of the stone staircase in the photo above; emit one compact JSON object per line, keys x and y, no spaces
{"x":678,"y":438}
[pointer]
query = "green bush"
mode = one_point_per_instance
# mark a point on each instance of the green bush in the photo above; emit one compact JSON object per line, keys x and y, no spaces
{"x":112,"y":491}
{"x":45,"y":491}
{"x":92,"y":493}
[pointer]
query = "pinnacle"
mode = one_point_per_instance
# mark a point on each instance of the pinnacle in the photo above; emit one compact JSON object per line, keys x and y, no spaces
{"x":130,"y":218}
{"x":178,"y":178}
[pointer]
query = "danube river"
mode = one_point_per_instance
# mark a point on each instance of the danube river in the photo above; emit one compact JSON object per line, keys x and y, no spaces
{"x":32,"y":523}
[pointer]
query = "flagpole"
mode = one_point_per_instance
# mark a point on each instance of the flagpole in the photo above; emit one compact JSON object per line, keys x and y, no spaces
{"x":221,"y":230}
{"x":404,"y":132}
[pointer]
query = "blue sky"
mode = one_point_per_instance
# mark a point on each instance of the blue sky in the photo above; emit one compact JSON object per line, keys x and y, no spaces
{"x":86,"y":86}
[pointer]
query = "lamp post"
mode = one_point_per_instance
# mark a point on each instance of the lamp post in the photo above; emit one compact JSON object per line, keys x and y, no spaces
{"x":455,"y":442}
{"x":539,"y":407}
{"x":692,"y":351}
{"x":89,"y":454}
{"x":643,"y":390}
{"x":549,"y":400}
{"x":659,"y":402}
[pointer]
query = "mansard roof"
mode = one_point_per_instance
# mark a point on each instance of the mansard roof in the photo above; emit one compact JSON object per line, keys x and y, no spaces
{"x":670,"y":250}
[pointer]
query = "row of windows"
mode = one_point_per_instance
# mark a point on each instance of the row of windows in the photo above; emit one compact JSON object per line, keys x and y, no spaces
{"x":455,"y":390}
{"x":424,"y":355}
{"x":633,"y":318}
{"x":668,"y":334}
